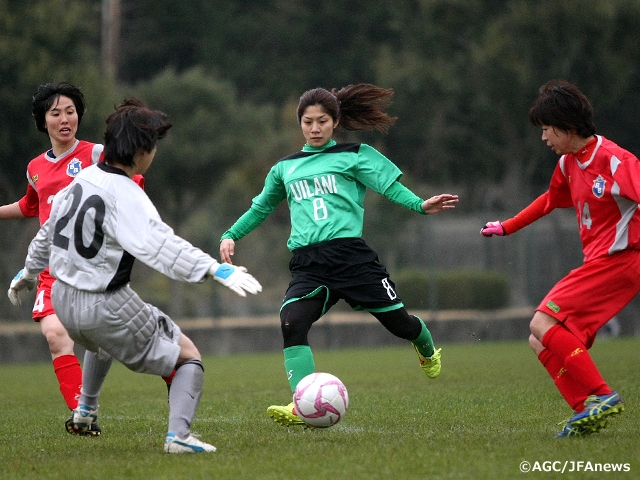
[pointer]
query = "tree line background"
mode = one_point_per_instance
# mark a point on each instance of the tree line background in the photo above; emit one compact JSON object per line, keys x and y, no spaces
{"x":229,"y":74}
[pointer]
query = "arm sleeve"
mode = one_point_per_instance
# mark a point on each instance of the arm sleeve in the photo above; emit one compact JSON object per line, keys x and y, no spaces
{"x":626,"y":173}
{"x":145,"y":236}
{"x":30,"y":203}
{"x":261,"y":207}
{"x":170,"y":254}
{"x":249,"y":221}
{"x":376,"y":171}
{"x":536,"y":210}
{"x":401,"y":195}
{"x":135,"y":226}
{"x":39,"y":249}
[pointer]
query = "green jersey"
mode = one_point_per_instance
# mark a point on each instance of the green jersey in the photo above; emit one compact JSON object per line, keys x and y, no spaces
{"x":325,"y":190}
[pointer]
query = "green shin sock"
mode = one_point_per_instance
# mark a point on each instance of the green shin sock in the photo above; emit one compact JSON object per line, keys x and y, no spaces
{"x":298,"y":363}
{"x":424,"y":342}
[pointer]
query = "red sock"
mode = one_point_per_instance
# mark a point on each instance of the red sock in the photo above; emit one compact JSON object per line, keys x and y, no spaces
{"x":575,"y":358}
{"x":169,"y":379}
{"x":567,"y":386}
{"x":69,"y":373}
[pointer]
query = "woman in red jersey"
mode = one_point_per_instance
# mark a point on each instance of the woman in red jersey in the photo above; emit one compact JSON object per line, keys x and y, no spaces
{"x":601,"y":181}
{"x":57,"y":110}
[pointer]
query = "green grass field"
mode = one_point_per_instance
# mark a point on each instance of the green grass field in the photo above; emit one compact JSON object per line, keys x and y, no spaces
{"x":492,"y":408}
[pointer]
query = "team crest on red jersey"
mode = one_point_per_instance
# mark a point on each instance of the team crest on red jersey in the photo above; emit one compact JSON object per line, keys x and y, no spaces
{"x":74,"y":167}
{"x":598,"y":186}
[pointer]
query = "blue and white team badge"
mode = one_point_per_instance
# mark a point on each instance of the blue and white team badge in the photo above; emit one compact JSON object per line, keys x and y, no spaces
{"x":74,"y":167}
{"x":598,"y":186}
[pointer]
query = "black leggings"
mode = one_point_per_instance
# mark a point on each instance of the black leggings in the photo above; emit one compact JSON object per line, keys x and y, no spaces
{"x":297,"y":317}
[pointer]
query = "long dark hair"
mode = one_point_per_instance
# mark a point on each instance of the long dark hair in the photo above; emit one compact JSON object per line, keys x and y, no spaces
{"x":357,"y":107}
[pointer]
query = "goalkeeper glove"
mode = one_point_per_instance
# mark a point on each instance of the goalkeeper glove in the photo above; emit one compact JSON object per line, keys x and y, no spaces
{"x":235,"y":278}
{"x":23,"y":280}
{"x":493,"y":228}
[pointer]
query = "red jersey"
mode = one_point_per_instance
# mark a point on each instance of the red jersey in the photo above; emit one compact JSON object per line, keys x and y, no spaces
{"x":602,"y":182}
{"x":47,"y":175}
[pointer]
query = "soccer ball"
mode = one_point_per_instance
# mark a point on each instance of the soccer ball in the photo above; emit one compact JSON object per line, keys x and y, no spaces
{"x":321,"y":400}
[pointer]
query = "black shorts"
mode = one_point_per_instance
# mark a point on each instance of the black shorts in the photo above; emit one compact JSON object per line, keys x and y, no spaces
{"x":343,"y":268}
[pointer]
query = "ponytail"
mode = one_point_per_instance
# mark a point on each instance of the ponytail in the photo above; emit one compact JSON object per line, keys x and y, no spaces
{"x":357,"y":107}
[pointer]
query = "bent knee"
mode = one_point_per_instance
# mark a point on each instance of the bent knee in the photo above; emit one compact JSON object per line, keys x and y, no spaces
{"x":540,"y":324}
{"x":56,"y":335}
{"x":188,"y":350}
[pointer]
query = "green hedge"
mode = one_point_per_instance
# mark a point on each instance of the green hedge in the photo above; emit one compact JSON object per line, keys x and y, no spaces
{"x":455,"y":289}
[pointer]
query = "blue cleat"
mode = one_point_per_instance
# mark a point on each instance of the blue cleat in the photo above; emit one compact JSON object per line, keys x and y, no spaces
{"x":598,"y":408}
{"x":571,"y":431}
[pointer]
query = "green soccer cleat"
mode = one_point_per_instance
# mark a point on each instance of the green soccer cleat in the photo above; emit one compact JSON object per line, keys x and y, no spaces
{"x":286,"y":416}
{"x":598,"y":408}
{"x":430,"y":365}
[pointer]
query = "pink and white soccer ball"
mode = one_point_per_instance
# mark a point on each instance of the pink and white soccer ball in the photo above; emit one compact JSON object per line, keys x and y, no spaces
{"x":321,"y":400}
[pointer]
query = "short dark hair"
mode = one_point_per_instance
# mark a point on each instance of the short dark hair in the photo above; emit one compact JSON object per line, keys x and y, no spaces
{"x":47,"y":94}
{"x":563,"y":106}
{"x":133,"y":126}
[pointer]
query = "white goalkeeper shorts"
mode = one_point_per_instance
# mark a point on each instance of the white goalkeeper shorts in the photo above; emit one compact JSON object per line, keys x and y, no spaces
{"x":120,"y":324}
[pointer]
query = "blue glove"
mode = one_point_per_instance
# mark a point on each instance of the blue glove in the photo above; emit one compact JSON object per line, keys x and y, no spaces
{"x":235,"y":278}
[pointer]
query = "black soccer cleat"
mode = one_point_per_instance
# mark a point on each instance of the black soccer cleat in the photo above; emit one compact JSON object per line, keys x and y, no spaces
{"x":93,"y":430}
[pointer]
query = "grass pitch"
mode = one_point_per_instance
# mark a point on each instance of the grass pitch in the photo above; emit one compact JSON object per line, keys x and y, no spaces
{"x":492,"y":408}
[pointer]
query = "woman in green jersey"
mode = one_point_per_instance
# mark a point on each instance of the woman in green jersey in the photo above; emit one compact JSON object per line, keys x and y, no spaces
{"x":324,"y":186}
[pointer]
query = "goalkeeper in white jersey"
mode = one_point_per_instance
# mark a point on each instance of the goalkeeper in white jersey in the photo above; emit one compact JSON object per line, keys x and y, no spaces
{"x":98,"y":225}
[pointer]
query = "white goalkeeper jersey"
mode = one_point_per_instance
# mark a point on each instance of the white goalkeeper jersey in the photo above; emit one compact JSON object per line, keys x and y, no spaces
{"x":98,"y":224}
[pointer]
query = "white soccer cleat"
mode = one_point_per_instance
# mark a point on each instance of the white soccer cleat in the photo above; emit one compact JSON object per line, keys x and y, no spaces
{"x":191,"y":444}
{"x":83,"y":417}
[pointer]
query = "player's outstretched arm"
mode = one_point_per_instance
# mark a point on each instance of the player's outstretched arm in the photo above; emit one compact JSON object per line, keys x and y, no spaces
{"x":493,"y":228}
{"x":36,"y":261}
{"x":24,"y":280}
{"x":438,"y":203}
{"x":235,"y":278}
{"x":11,"y":211}
{"x":537,"y":209}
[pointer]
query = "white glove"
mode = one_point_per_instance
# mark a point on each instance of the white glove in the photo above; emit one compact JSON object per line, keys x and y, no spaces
{"x":236,"y":278}
{"x":23,"y":280}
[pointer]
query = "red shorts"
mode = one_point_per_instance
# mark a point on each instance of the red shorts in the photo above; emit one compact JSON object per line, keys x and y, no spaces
{"x":42,"y":306}
{"x":594,"y":293}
